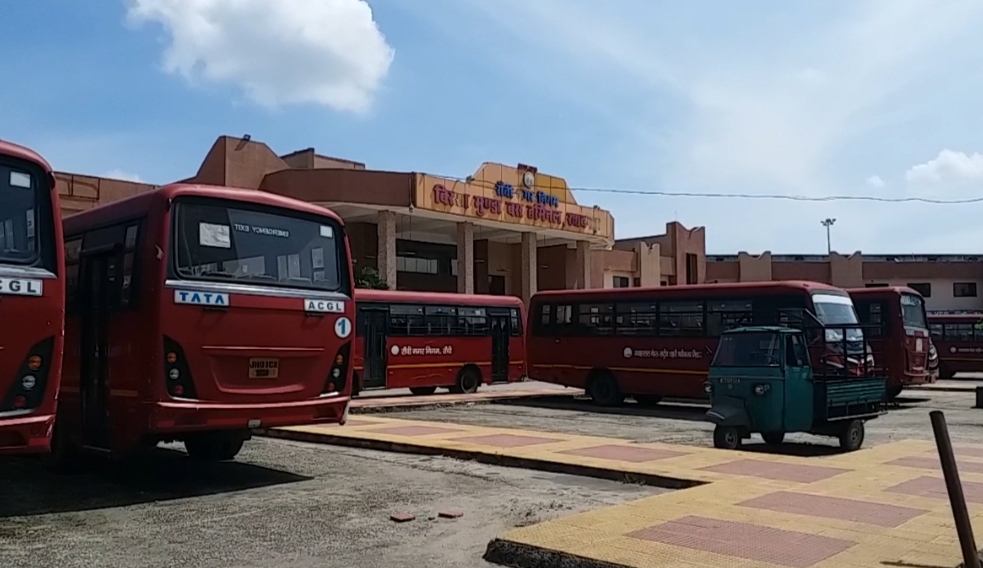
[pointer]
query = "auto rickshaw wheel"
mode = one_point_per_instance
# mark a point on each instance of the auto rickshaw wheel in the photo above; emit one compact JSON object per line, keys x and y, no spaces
{"x":773,"y":438}
{"x":852,"y":437}
{"x":726,"y":438}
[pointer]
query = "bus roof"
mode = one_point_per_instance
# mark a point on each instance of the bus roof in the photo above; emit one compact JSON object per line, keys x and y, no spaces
{"x":138,"y":205}
{"x":689,"y":290}
{"x":365,"y":295}
{"x":956,"y":318}
{"x":882,"y":291}
{"x":24,"y":153}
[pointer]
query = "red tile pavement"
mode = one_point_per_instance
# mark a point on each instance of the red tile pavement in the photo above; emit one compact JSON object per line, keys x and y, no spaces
{"x":960,"y":451}
{"x":777,"y":471}
{"x":933,"y":463}
{"x":834,"y":508}
{"x":361,"y":422}
{"x":414,"y":400}
{"x":745,"y":540}
{"x":413,"y":430}
{"x":507,"y":440}
{"x":623,"y":453}
{"x":934,"y":487}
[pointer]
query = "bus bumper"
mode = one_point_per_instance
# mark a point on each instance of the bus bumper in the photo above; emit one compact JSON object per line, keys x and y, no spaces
{"x":26,"y":435}
{"x":180,"y":416}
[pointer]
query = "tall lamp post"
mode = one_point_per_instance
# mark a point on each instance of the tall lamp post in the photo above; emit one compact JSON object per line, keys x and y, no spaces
{"x":828,"y":223}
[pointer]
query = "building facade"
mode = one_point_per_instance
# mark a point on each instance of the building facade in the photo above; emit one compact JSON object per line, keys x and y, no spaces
{"x":502,"y":230}
{"x":949,"y":283}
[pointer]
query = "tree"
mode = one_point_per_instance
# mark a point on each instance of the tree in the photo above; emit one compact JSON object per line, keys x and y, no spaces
{"x":368,"y":277}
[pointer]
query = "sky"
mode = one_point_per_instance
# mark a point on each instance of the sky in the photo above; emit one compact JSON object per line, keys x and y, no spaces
{"x":860,"y":98}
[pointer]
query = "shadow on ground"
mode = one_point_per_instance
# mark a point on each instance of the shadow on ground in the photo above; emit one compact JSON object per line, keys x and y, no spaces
{"x":31,"y":488}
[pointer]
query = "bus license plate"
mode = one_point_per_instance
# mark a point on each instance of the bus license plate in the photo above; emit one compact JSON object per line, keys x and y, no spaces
{"x":264,"y":368}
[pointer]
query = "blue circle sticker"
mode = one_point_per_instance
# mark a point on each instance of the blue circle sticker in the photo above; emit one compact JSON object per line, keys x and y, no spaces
{"x":343,"y":327}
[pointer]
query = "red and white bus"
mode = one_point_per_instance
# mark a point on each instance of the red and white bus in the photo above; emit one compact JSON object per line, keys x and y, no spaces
{"x":897,"y":330}
{"x":651,"y":343}
{"x":423,"y":340}
{"x":32,"y":300}
{"x":198,"y":314}
{"x":958,"y":338}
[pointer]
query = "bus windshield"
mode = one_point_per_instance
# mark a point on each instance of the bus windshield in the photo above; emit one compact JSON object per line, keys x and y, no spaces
{"x":752,"y":349}
{"x":913,"y":311}
{"x":18,"y":215}
{"x":255,"y":245}
{"x":834,"y":310}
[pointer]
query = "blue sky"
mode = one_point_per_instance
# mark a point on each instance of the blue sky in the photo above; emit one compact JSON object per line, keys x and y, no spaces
{"x":844,"y":97}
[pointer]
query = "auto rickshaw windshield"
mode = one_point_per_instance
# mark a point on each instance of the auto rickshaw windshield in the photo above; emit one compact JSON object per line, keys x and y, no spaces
{"x":750,"y":349}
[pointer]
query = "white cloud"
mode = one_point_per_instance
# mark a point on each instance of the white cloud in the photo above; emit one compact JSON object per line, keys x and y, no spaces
{"x":948,"y":168}
{"x":123,"y":175}
{"x":875,"y":182}
{"x":327,"y":52}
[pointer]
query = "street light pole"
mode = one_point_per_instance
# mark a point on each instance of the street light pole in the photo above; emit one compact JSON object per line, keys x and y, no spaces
{"x":828,"y":223}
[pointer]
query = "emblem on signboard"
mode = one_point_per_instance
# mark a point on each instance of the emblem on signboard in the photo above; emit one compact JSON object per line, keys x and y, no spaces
{"x":529,"y":179}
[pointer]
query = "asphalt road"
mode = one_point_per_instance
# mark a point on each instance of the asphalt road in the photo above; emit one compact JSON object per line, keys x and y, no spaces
{"x":280,"y":505}
{"x":683,"y":423}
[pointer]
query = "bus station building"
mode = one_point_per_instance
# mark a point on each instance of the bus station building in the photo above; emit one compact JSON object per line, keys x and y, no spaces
{"x":505,"y":229}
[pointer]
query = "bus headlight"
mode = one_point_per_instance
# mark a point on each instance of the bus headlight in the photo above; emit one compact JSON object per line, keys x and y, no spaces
{"x":761,"y":389}
{"x":707,"y":387}
{"x":28,"y":382}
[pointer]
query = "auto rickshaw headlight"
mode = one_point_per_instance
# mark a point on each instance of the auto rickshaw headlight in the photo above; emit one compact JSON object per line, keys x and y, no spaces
{"x":707,"y":387}
{"x":761,"y":389}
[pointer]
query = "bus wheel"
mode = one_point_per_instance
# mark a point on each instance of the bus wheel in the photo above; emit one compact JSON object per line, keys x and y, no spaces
{"x":62,"y":454}
{"x":773,"y":438}
{"x":604,"y":390}
{"x":423,"y":391}
{"x":944,"y":372}
{"x":214,"y":446}
{"x":647,"y":399}
{"x":468,"y":381}
{"x":893,"y":391}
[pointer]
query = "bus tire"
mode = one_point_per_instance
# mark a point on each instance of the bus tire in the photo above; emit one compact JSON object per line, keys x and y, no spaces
{"x":944,"y":372}
{"x":726,"y":438}
{"x":893,"y":391}
{"x":356,"y":385}
{"x":214,"y":446}
{"x":423,"y":391}
{"x":604,"y":390}
{"x":62,"y":457}
{"x":773,"y":438}
{"x":468,"y":381}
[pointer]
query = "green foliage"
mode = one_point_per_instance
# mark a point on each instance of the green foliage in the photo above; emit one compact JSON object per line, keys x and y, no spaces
{"x":368,"y":277}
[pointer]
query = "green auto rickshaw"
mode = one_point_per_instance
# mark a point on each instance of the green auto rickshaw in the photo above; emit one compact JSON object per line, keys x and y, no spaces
{"x":762,"y":381}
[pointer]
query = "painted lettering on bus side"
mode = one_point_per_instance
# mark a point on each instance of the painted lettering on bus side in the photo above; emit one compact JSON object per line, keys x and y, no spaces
{"x":201,"y":298}
{"x":426,"y":350}
{"x":324,"y":306}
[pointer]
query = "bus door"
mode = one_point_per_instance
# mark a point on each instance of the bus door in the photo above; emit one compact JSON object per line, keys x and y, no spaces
{"x":376,"y":322}
{"x":99,"y":278}
{"x":501,"y":332}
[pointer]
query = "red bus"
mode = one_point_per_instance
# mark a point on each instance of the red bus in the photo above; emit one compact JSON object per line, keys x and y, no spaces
{"x":422,"y":341}
{"x":198,"y":314}
{"x":32,"y":300}
{"x":897,"y":330}
{"x":959,"y":341}
{"x":650,"y":343}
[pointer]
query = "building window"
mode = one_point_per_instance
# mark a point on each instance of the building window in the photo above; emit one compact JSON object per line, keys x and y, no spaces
{"x":964,"y":289}
{"x":637,"y":282}
{"x":416,"y":264}
{"x":621,"y":282}
{"x":875,"y":285}
{"x":925,"y":288}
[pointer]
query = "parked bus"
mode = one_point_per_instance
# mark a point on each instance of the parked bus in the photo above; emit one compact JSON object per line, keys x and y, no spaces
{"x":897,"y":330}
{"x":424,"y":341}
{"x":32,"y":300}
{"x":958,"y":338}
{"x":650,"y":343}
{"x":198,"y":314}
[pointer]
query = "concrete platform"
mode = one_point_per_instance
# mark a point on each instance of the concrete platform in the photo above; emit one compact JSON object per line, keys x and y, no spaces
{"x":951,"y":385}
{"x":882,"y":506}
{"x":371,"y":402}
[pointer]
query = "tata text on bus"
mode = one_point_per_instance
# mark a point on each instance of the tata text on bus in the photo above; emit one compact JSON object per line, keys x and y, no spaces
{"x":32,"y":300}
{"x":651,"y":343}
{"x":198,"y":314}
{"x":423,"y":341}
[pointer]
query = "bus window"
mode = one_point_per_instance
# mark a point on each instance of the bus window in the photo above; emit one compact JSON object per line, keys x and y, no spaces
{"x":727,"y":314}
{"x":913,"y":311}
{"x":596,"y":319}
{"x":936,"y":330}
{"x":681,"y":318}
{"x":638,"y":318}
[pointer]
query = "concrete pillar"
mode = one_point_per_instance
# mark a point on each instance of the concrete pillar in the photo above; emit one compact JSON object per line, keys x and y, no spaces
{"x":386,"y":228}
{"x":582,"y":265}
{"x":529,"y":266}
{"x":465,"y":258}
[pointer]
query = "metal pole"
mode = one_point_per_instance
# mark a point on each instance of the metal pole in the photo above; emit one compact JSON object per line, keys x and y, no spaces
{"x":964,"y":528}
{"x":829,"y":245}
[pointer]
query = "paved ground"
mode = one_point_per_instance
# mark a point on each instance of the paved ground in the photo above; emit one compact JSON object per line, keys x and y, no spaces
{"x":684,"y":424}
{"x":399,"y":399}
{"x":885,"y":505}
{"x":283,"y":504}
